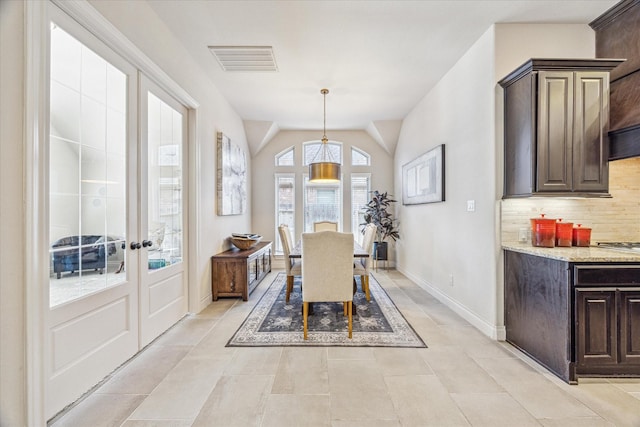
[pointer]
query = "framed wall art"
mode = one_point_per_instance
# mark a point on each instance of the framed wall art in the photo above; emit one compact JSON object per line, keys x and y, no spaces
{"x":423,"y":178}
{"x":231,"y":177}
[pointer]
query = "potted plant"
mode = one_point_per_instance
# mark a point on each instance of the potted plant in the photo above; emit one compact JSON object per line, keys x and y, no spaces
{"x":376,"y":212}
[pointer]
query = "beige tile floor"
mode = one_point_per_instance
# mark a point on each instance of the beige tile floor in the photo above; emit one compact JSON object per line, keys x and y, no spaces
{"x":188,"y":377}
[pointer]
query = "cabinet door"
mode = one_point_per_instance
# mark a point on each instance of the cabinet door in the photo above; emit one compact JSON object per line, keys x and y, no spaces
{"x":591,"y":124}
{"x":629,"y":326}
{"x":229,"y":277}
{"x":555,"y":131}
{"x":596,"y":333}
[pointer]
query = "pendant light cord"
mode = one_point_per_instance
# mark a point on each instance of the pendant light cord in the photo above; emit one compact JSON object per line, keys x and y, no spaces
{"x":323,"y":150}
{"x":324,"y":111}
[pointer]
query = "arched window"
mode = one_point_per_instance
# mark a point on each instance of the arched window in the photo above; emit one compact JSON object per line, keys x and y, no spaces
{"x":286,"y":157}
{"x":359,"y":157}
{"x":312,"y":148}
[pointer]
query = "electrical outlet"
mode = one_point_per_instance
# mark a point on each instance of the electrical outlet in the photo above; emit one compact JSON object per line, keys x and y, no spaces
{"x":471,"y":205}
{"x":451,"y":280}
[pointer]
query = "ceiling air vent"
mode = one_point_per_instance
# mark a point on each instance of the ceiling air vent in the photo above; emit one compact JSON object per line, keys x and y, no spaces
{"x":245,"y":58}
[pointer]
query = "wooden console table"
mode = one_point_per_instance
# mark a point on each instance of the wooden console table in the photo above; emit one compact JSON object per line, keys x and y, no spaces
{"x":236,"y":273}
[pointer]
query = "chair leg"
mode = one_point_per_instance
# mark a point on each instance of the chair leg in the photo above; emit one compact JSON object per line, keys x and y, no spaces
{"x":350,"y":308}
{"x":365,"y":286}
{"x":289,"y":288}
{"x":305,"y":313}
{"x":344,"y":309}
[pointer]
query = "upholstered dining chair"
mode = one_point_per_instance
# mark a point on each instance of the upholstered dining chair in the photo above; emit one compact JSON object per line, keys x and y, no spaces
{"x":327,"y":272}
{"x":362,"y":266}
{"x":292,"y":267}
{"x":325,"y":226}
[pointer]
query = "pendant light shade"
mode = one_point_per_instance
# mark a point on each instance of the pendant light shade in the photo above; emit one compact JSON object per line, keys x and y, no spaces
{"x":322,"y":167}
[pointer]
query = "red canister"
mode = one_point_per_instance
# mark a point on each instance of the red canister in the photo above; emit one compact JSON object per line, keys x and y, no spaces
{"x":543,"y":232}
{"x":564,"y":233}
{"x":581,"y":236}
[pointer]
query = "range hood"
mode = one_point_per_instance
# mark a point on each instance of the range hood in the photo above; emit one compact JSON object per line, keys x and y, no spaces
{"x":624,"y":143}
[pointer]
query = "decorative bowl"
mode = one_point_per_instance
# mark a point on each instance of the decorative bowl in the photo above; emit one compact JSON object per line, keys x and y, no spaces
{"x":244,"y":243}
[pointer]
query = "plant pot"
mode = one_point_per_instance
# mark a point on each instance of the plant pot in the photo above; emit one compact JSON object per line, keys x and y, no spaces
{"x":380,"y":251}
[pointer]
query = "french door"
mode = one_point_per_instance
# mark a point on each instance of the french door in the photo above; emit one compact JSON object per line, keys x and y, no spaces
{"x":163,"y":287}
{"x":116,"y":212}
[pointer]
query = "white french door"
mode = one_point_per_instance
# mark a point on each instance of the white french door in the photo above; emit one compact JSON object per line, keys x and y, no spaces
{"x":116,"y":212}
{"x":163,"y":288}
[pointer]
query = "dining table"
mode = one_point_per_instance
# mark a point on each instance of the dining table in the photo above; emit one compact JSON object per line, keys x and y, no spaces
{"x":358,"y":252}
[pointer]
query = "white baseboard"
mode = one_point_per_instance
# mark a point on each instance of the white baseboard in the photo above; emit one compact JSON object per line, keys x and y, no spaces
{"x":492,"y":331}
{"x":204,"y":302}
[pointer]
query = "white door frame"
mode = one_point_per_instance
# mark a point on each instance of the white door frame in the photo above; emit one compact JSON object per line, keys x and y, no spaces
{"x":36,"y":179}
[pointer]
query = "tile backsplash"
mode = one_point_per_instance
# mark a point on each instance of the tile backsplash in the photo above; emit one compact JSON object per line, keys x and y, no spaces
{"x":611,"y":219}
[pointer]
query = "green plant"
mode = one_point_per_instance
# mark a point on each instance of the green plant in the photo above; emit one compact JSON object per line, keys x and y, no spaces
{"x":377,"y":214}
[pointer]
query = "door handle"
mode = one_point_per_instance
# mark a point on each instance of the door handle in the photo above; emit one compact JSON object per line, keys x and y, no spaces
{"x":146,"y":243}
{"x":135,"y":245}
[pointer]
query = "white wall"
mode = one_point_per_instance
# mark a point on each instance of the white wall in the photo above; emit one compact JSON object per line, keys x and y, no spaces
{"x":214,"y":114}
{"x":263,"y":194}
{"x":463,"y":112}
{"x":12,"y":232}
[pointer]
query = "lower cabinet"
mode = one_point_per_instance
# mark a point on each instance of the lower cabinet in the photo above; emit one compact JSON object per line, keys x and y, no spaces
{"x":236,"y":273}
{"x":608,"y":331}
{"x":575,"y":318}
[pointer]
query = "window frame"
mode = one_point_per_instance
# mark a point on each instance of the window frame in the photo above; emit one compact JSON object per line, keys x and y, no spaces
{"x":292,"y":176}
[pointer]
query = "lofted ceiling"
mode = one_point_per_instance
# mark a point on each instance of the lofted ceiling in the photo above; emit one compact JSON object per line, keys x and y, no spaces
{"x":377,"y":58}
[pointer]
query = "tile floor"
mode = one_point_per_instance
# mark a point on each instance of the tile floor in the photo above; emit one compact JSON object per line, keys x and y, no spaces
{"x":187,"y":377}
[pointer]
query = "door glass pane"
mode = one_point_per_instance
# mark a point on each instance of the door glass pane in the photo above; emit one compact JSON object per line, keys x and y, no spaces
{"x":164,"y":184}
{"x":87,"y":179}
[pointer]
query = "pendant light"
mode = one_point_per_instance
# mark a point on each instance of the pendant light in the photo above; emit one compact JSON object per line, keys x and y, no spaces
{"x":322,"y":167}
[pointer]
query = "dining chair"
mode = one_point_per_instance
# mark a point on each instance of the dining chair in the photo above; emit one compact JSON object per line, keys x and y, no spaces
{"x":325,"y":226}
{"x":362,"y":266}
{"x":327,"y":272}
{"x":292,"y":267}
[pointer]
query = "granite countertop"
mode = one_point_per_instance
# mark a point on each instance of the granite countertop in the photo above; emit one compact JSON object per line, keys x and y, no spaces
{"x":574,"y":253}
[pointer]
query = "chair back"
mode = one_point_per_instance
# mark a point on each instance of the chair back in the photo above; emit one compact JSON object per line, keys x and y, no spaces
{"x":325,"y":226}
{"x":286,"y":240}
{"x":327,"y":270}
{"x":367,"y":243}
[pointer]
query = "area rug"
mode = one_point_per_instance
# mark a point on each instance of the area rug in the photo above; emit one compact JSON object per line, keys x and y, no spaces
{"x":273,"y":322}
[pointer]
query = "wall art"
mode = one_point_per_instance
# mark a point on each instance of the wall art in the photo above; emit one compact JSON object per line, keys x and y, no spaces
{"x":231,"y":177}
{"x":423,"y":178}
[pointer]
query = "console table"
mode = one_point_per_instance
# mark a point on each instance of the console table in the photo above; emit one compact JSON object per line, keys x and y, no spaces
{"x":236,"y":273}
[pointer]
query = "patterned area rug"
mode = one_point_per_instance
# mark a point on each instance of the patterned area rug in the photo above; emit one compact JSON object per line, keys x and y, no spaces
{"x":273,"y":322}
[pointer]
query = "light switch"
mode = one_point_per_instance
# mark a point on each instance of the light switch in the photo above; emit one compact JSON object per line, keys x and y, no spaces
{"x":471,"y":205}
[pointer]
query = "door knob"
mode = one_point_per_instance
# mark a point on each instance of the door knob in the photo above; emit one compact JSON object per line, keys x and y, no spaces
{"x":146,"y":243}
{"x":135,"y":245}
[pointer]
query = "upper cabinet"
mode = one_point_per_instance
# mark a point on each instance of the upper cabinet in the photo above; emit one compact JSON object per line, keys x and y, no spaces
{"x":556,"y":118}
{"x":618,"y":36}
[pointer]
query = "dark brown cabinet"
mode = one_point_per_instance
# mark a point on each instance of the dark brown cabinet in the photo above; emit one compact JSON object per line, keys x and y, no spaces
{"x":618,"y":36}
{"x":576,"y":319}
{"x":236,"y":273}
{"x":556,"y":118}
{"x":607,"y":319}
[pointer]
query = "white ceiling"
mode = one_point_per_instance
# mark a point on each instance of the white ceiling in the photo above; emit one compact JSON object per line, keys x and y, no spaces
{"x":377,"y":58}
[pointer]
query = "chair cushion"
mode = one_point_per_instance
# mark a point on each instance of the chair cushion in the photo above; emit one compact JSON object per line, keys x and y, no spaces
{"x":296,"y":268}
